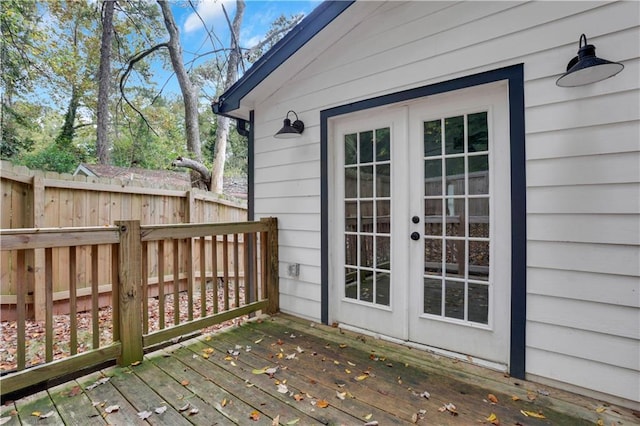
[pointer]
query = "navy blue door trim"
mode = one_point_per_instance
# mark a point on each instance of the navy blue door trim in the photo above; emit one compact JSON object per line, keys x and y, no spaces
{"x":515,"y":77}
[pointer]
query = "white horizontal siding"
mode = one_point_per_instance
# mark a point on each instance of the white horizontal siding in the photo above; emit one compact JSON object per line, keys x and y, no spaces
{"x":617,"y":290}
{"x":582,"y":150}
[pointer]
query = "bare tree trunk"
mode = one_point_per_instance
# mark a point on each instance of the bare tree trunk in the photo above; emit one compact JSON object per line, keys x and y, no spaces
{"x":222,"y":133}
{"x":104,"y":79}
{"x":189,"y":91}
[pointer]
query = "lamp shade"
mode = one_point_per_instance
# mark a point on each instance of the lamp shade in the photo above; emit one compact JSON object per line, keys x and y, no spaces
{"x":290,"y":130}
{"x":587,"y":68}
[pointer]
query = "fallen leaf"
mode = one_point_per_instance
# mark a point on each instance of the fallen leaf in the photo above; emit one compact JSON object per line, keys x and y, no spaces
{"x":258,"y":341}
{"x":255,"y":416}
{"x":341,"y":395}
{"x":493,"y":419}
{"x":342,"y":345}
{"x":276,"y":420}
{"x":46,"y":416}
{"x":450,"y":408}
{"x":346,"y":370}
{"x":600,"y":422}
{"x":372,"y":423}
{"x":368,"y":416}
{"x":282,"y":388}
{"x":4,"y":420}
{"x":533,"y":414}
{"x":492,"y":398}
{"x":293,"y":422}
{"x":144,"y":414}
{"x":425,"y":394}
{"x":298,"y":397}
{"x":322,"y":403}
{"x":36,"y":413}
{"x":362,"y":377}
{"x":299,"y":349}
{"x":601,"y":410}
{"x":185,"y":383}
{"x":194,"y":411}
{"x":76,"y":390}
{"x":184,"y":407}
{"x":543,"y":392}
{"x":160,"y":410}
{"x":233,"y":364}
{"x":133,"y":364}
{"x":291,"y":356}
{"x":515,"y":398}
{"x":111,"y":409}
{"x":351,"y":364}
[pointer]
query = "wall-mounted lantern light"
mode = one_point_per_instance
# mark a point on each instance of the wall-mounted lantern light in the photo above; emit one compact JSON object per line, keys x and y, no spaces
{"x":289,"y":130}
{"x":587,"y":68}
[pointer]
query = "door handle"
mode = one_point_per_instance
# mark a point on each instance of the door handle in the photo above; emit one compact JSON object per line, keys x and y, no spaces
{"x":415,"y":236}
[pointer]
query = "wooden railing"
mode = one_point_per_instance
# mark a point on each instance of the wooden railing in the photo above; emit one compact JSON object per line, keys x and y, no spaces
{"x":219,"y":272}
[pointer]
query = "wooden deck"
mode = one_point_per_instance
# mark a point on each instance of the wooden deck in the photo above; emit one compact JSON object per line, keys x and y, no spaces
{"x":323,"y":376}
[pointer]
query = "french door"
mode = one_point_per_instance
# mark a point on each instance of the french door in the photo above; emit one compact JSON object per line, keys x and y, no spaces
{"x":420,"y":240}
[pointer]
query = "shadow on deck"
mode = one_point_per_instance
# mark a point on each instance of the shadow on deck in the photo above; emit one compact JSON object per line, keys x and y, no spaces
{"x":289,"y":371}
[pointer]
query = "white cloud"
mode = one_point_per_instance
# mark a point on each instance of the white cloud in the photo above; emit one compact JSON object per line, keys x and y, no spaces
{"x":209,"y":11}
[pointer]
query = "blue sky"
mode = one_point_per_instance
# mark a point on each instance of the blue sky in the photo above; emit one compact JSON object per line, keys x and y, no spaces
{"x":258,"y":16}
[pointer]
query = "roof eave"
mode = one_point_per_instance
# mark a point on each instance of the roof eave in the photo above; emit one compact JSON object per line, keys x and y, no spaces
{"x":311,"y":25}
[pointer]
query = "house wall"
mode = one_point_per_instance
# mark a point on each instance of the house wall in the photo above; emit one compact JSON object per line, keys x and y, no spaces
{"x":582,"y":160}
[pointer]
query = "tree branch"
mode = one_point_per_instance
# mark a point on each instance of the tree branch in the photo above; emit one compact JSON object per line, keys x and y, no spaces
{"x":195,"y":166}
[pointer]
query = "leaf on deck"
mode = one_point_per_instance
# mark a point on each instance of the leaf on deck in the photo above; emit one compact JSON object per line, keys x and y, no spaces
{"x":144,"y":414}
{"x":533,"y":414}
{"x":111,"y":409}
{"x":492,"y":398}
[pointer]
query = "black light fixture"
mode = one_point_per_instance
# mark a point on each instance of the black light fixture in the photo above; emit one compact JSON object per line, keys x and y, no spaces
{"x":587,"y":68}
{"x":290,"y":131}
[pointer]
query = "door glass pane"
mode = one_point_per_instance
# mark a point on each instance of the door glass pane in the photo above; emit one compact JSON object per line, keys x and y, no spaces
{"x":366,"y":216}
{"x":351,"y":283}
{"x":455,"y":175}
{"x":383,"y":180}
{"x":351,"y":216}
{"x":351,"y":250}
{"x":367,"y":209}
{"x":479,"y":174}
{"x":366,"y":147}
{"x":350,"y":149}
{"x":366,"y":182}
{"x":383,"y":217}
{"x":433,"y":177}
{"x":432,"y":296}
{"x":366,"y":251}
{"x":478,"y":132}
{"x":433,"y":217}
{"x":478,"y":303}
{"x":454,"y":299}
{"x":366,"y":285}
{"x":455,"y":258}
{"x":455,"y":217}
{"x":479,"y":260}
{"x":432,"y":138}
{"x":350,"y":182}
{"x":383,"y":144}
{"x":433,"y":256}
{"x":454,"y":135}
{"x":383,"y":281}
{"x":383,"y":253}
{"x":478,"y":217}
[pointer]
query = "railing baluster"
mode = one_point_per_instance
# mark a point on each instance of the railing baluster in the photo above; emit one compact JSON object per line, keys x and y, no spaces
{"x":263,"y":264}
{"x":145,"y":288}
{"x":73,"y":314}
{"x":214,"y":270}
{"x":21,"y":293}
{"x":236,"y":270}
{"x":176,"y":282}
{"x":48,"y":314}
{"x":189,"y":272}
{"x":115,"y":292}
{"x":254,"y":269}
{"x":246,"y":240}
{"x":95,"y":297}
{"x":203,"y":277}
{"x":225,"y":263}
{"x":161,"y":284}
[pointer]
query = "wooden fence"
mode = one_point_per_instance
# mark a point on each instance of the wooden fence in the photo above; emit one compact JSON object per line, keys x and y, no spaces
{"x":49,"y":200}
{"x":136,"y":320}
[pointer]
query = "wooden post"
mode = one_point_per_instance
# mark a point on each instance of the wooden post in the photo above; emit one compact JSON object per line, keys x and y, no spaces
{"x":39,"y":298}
{"x":273,"y":282}
{"x":130,"y":291}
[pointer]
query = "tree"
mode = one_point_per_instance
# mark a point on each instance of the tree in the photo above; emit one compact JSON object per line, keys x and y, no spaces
{"x":104,"y":80}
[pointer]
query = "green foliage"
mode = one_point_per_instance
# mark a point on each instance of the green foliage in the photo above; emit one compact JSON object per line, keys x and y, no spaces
{"x":53,"y":159}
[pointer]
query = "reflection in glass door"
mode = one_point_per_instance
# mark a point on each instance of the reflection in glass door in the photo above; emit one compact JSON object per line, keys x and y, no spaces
{"x":457,"y":208}
{"x":367,"y":208}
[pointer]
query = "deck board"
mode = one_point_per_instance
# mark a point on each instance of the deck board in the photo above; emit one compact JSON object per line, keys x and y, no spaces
{"x":362,"y":379}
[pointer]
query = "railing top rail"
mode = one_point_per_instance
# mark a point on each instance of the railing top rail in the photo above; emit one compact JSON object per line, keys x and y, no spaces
{"x":33,"y":238}
{"x":191,"y":230}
